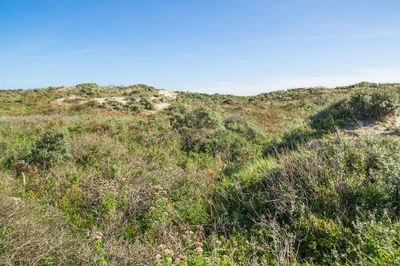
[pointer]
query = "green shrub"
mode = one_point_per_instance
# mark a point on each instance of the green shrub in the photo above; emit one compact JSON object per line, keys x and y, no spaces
{"x":204,"y":117}
{"x":375,"y":103}
{"x":243,"y":127}
{"x":367,"y":105}
{"x":51,"y":147}
{"x":135,"y":107}
{"x":321,"y":190}
{"x":88,"y":89}
{"x":176,"y":113}
{"x":84,"y":86}
{"x":205,"y":131}
{"x":147,"y":104}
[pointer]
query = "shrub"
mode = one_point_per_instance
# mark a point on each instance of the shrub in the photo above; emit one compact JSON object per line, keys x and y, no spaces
{"x":243,"y":127}
{"x":88,"y":89}
{"x":51,"y":147}
{"x":318,"y":193}
{"x":375,"y":103}
{"x":135,"y":107}
{"x":367,"y":105}
{"x":176,"y":114}
{"x":204,"y":117}
{"x":205,"y":131}
{"x":147,"y":104}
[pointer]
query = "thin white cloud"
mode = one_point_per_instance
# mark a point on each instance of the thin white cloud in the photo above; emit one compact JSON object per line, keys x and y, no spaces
{"x":378,"y":75}
{"x":378,"y":34}
{"x":182,"y":58}
{"x":63,"y":54}
{"x":354,"y":35}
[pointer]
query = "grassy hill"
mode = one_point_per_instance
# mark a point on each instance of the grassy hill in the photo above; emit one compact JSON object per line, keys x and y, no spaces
{"x":137,"y":175}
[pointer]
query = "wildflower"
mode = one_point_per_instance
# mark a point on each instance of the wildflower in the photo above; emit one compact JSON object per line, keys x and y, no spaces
{"x":168,"y":252}
{"x":198,"y":244}
{"x":225,"y":256}
{"x":158,"y":188}
{"x":182,"y":257}
{"x":206,"y":258}
{"x":162,"y":246}
{"x":97,"y":235}
{"x":218,"y":242}
{"x":189,"y":233}
{"x":177,"y":260}
{"x":152,"y":208}
{"x":164,"y":193}
{"x":169,"y":259}
{"x":199,"y":250}
{"x":158,"y":256}
{"x":215,"y":259}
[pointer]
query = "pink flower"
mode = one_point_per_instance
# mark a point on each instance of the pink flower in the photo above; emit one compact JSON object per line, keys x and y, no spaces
{"x":189,"y":233}
{"x":97,"y":235}
{"x":158,"y":256}
{"x":162,"y":246}
{"x":218,"y":242}
{"x":158,"y":188}
{"x":199,"y":250}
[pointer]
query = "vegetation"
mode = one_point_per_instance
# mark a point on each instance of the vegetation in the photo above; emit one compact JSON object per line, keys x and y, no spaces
{"x":135,"y":175}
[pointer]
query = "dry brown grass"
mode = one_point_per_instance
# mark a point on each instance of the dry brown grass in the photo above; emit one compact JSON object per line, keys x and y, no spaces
{"x":32,"y":235}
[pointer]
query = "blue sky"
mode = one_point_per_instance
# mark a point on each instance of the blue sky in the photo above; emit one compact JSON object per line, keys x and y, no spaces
{"x":240,"y":47}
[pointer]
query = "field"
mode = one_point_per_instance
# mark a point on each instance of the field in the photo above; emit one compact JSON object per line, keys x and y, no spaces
{"x":137,"y":175}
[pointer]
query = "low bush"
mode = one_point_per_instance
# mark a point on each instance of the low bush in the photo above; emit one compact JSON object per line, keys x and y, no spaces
{"x":367,"y":105}
{"x":319,"y":194}
{"x":205,"y":131}
{"x":375,"y":103}
{"x":147,"y":104}
{"x":51,"y":147}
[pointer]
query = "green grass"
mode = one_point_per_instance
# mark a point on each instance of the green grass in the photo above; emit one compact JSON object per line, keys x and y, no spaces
{"x":209,"y":180}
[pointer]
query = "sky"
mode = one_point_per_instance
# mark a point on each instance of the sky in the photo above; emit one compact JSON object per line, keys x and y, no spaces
{"x":240,"y":47}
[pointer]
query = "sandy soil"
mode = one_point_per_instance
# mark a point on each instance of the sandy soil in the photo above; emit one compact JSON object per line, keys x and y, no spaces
{"x":381,"y":129}
{"x":61,"y":100}
{"x":168,"y":94}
